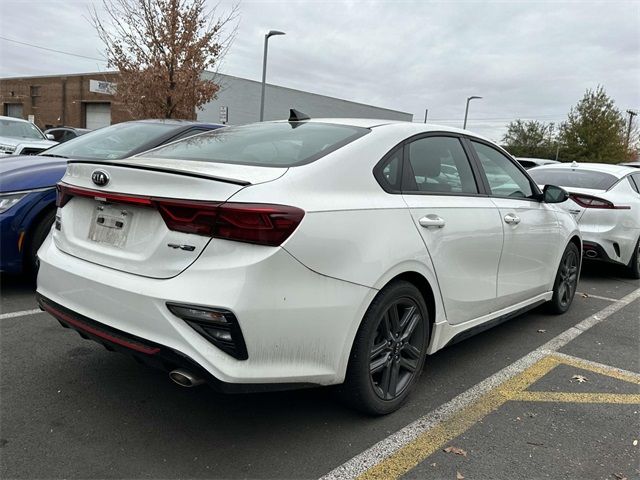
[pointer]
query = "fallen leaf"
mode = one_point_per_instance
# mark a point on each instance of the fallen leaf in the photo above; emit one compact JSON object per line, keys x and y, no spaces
{"x":433,"y":464}
{"x":585,"y":295}
{"x":456,"y":450}
{"x":635,"y":443}
{"x":459,"y":476}
{"x":541,"y":330}
{"x":579,"y":378}
{"x":620,"y":476}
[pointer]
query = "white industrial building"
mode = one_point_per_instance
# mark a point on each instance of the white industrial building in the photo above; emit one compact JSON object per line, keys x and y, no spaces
{"x":240,"y":99}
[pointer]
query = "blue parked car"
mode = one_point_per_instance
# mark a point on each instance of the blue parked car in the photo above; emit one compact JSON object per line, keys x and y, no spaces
{"x":28,"y":182}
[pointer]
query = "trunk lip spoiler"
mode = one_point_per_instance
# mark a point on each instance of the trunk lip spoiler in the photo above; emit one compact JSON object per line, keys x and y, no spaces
{"x":233,"y":181}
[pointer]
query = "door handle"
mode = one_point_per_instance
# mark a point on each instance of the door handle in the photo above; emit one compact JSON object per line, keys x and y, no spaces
{"x":512,"y":218}
{"x":431,"y":221}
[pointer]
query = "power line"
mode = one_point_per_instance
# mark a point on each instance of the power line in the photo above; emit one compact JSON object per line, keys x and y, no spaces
{"x":51,"y":49}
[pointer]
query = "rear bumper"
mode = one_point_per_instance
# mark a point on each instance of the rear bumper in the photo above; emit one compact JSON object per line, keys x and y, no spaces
{"x":145,"y":352}
{"x":298,"y":325}
{"x":609,"y":247}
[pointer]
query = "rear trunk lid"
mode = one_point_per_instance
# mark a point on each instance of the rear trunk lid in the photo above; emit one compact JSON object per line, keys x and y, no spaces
{"x":119,"y":225}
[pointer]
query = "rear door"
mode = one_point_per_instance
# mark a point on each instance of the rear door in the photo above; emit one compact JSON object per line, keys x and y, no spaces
{"x":461,"y":227}
{"x":532,"y":237}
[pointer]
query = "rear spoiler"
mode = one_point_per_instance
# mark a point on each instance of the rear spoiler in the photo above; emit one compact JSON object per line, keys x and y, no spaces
{"x":119,"y":163}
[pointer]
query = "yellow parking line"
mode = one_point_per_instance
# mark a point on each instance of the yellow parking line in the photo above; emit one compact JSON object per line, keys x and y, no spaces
{"x":563,"y":397}
{"x":428,"y":442}
{"x":601,"y":369}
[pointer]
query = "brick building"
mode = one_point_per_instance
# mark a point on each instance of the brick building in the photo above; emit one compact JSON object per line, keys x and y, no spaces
{"x":86,"y":101}
{"x":83,"y":100}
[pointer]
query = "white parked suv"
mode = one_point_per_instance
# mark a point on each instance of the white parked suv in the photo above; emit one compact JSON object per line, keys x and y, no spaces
{"x":605,"y":200}
{"x":20,"y":137}
{"x":305,"y":252}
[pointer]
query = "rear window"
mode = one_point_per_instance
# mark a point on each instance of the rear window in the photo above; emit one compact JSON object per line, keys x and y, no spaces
{"x":114,"y":142}
{"x":573,"y":178}
{"x":283,"y":144}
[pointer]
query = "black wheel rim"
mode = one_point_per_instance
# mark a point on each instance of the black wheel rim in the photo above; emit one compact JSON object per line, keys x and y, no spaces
{"x":397,"y":348}
{"x":568,"y":278}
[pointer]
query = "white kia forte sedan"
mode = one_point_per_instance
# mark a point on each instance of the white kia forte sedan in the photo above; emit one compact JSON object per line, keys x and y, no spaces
{"x":605,"y":200}
{"x":305,"y":252}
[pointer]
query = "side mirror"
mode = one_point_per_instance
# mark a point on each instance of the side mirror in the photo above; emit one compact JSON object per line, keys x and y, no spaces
{"x":50,"y":136}
{"x":553,"y":194}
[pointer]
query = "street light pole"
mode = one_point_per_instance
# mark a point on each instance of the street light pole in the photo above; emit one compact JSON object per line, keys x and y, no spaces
{"x":466,"y":110}
{"x":631,"y":115}
{"x":264,"y":67}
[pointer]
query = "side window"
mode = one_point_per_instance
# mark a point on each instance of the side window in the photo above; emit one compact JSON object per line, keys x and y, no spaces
{"x":505,"y":179}
{"x":389,"y":172}
{"x":439,"y":165}
{"x":634,"y":180}
{"x":57,"y":135}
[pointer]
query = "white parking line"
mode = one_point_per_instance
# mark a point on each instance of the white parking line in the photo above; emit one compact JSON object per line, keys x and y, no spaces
{"x":388,"y":446}
{"x":589,"y":295}
{"x":22,"y":313}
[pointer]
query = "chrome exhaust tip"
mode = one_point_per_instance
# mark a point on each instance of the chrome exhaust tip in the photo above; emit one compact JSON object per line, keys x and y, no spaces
{"x":185,"y":378}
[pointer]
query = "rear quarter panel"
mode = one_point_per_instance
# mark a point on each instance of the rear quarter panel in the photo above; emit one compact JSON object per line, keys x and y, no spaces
{"x":352,"y":230}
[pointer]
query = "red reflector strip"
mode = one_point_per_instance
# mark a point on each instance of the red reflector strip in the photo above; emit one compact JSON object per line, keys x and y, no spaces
{"x":65,"y":193}
{"x":99,"y":333}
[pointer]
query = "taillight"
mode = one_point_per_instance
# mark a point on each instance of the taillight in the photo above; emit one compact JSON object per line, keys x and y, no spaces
{"x":589,"y":201}
{"x":259,"y":223}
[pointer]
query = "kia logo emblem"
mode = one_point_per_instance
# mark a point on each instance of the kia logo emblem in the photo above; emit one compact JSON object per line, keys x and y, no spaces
{"x":100,"y":177}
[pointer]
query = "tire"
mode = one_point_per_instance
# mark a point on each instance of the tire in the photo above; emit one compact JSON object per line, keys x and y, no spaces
{"x":634,"y":265}
{"x":39,"y":233}
{"x":392,"y":341}
{"x":566,"y":283}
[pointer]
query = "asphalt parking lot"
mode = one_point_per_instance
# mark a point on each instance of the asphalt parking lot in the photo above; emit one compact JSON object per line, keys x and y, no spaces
{"x":540,"y":396}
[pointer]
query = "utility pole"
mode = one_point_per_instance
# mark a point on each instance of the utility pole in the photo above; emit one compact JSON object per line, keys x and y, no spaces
{"x":631,"y":115}
{"x":426,"y":112}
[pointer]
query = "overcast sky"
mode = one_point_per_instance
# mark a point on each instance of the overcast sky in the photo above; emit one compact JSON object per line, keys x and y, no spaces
{"x":530,"y":60}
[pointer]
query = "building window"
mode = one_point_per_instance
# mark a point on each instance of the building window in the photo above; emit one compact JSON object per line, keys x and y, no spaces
{"x":34,"y":90}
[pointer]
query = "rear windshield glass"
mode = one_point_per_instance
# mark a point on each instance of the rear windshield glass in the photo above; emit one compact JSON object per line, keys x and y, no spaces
{"x":573,"y":178}
{"x":114,"y":142}
{"x":283,"y":144}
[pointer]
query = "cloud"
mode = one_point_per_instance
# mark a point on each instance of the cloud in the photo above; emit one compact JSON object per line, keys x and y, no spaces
{"x":527,"y":59}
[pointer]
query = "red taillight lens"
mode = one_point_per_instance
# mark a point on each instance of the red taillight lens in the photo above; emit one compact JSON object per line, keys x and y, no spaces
{"x":258,"y":223}
{"x":189,"y":216}
{"x":589,"y":201}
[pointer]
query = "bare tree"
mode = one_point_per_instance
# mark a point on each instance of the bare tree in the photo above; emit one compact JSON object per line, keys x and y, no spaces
{"x":161,"y":48}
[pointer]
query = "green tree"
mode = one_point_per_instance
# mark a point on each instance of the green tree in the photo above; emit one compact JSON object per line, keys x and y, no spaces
{"x":594,"y":130}
{"x":530,"y":139}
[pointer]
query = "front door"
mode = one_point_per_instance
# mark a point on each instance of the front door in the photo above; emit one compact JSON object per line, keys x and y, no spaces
{"x":531,"y":232}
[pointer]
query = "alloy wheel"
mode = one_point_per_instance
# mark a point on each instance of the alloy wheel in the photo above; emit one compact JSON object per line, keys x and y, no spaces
{"x":397,"y":348}
{"x":568,"y":278}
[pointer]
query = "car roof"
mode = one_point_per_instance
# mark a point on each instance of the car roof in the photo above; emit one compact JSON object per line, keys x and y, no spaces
{"x":410,"y":127}
{"x":173,"y":121}
{"x":3,"y":117}
{"x":533,"y":159}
